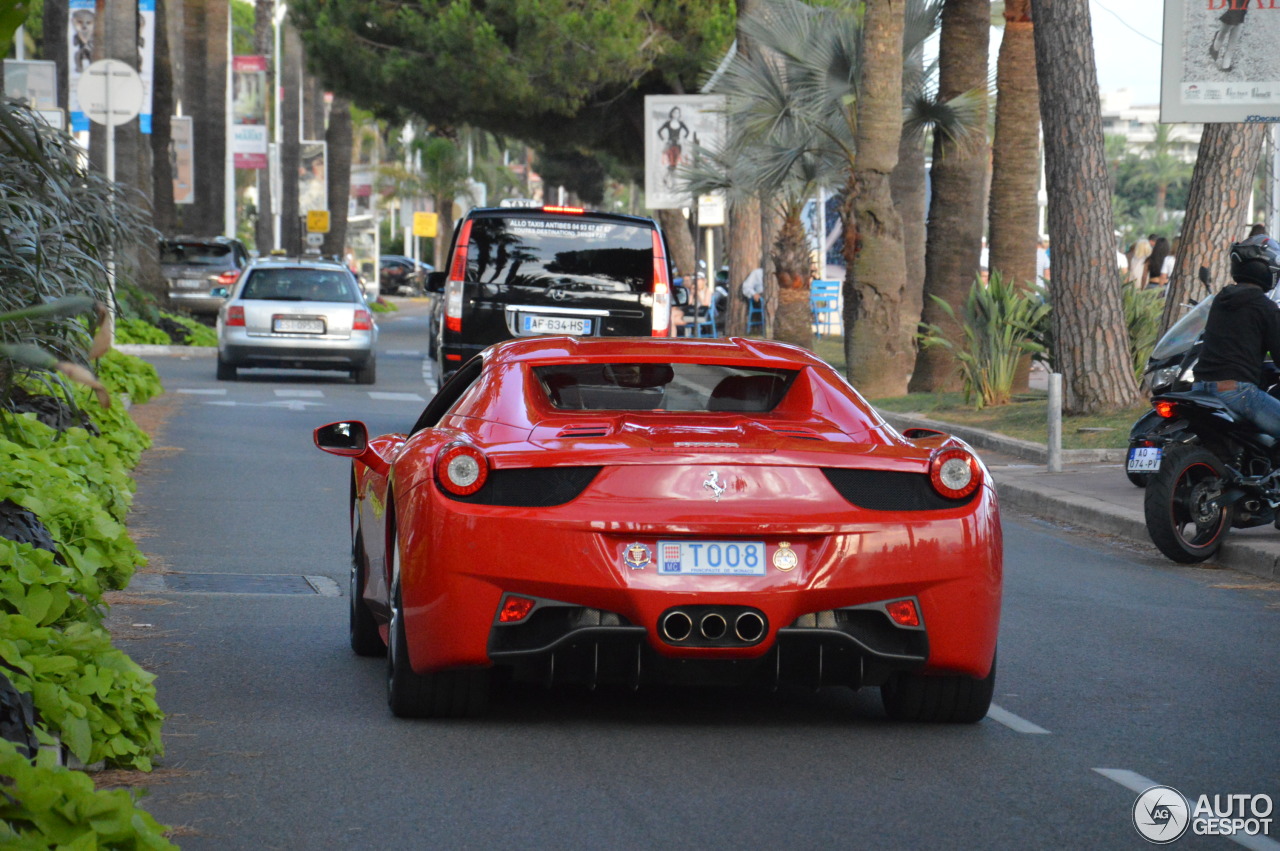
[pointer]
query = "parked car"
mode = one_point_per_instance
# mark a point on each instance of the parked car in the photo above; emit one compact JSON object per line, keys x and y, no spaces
{"x":194,"y":265}
{"x":521,"y":271}
{"x":730,"y":511}
{"x":288,"y":313}
{"x":403,"y":275}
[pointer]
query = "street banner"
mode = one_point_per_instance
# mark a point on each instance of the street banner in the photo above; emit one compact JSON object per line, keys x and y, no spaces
{"x":182,"y":159}
{"x":1219,"y":62}
{"x":80,"y":18}
{"x":146,"y":59}
{"x":249,"y":111}
{"x":674,"y":127}
{"x":313,"y":187}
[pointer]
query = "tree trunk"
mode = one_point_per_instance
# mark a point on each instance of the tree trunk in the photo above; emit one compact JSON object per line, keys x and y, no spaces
{"x":263,"y":45}
{"x":291,"y":229}
{"x":164,"y":213}
{"x":877,"y":352}
{"x":793,"y":322}
{"x":54,"y":48}
{"x":745,"y":251}
{"x":204,"y":96}
{"x":1217,"y":212}
{"x":1015,"y":160}
{"x":679,"y":242}
{"x":340,"y":142}
{"x":770,"y":225}
{"x":1090,"y":334}
{"x":958,"y":186}
{"x":909,"y":197}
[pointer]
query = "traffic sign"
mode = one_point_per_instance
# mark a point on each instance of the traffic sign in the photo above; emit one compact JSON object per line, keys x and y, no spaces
{"x":315,"y":239}
{"x":110,"y":92}
{"x":425,"y":224}
{"x":318,"y":221}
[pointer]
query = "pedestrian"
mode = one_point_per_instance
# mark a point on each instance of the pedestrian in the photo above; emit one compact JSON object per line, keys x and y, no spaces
{"x":1138,"y":255}
{"x":1258,"y":229}
{"x":1159,"y":264}
{"x":1042,"y":259}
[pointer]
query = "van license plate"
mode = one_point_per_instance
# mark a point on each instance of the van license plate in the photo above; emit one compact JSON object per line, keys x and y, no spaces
{"x":535,"y":324}
{"x":1144,"y":459}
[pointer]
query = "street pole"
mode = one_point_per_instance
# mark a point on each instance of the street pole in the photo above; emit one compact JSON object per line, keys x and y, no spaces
{"x":277,"y":188}
{"x":229,"y":170}
{"x":1055,"y":422}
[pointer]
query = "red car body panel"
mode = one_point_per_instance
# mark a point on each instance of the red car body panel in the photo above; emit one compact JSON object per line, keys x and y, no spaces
{"x":457,"y":560}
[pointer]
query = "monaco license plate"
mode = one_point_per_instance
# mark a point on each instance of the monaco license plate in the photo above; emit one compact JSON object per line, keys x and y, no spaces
{"x":711,"y":558}
{"x":1144,"y":459}
{"x":297,"y":325}
{"x":536,"y":324}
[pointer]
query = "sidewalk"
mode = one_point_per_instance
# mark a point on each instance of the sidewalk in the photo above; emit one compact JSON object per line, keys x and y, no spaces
{"x":1092,"y":492}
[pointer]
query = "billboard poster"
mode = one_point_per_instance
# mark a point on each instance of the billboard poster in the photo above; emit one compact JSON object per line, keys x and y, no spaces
{"x":249,"y":111}
{"x":182,"y":159}
{"x":146,"y":59}
{"x":35,"y":82}
{"x":313,"y":187}
{"x":675,"y":126}
{"x":80,"y":20}
{"x":1219,"y":63}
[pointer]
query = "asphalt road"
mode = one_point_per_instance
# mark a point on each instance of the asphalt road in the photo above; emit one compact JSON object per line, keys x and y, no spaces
{"x":1117,"y":670}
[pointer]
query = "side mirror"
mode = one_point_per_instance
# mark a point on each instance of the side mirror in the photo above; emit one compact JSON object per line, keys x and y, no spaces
{"x":435,"y":282}
{"x":679,"y":296}
{"x":220,"y":292}
{"x":345,"y":438}
{"x":1204,"y":275}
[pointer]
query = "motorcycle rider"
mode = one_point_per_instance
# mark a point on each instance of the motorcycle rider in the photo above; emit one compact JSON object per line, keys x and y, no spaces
{"x":1242,"y":329}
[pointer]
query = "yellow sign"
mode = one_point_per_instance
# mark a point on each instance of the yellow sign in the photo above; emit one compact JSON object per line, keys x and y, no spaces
{"x":425,"y":224}
{"x":317,"y":221}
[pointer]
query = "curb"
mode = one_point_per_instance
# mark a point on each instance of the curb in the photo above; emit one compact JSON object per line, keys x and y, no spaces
{"x":144,"y":349}
{"x":1024,"y":449}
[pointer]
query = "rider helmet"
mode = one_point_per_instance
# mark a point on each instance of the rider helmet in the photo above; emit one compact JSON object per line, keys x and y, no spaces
{"x":1256,"y":261}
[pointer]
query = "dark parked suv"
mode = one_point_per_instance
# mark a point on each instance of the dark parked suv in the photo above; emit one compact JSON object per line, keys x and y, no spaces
{"x":194,"y":265}
{"x":525,"y":271}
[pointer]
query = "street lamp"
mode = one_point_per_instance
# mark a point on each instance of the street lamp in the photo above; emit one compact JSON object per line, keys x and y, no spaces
{"x":277,"y":183}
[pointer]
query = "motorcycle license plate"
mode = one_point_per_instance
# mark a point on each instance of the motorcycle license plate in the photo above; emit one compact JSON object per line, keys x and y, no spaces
{"x":1144,"y":459}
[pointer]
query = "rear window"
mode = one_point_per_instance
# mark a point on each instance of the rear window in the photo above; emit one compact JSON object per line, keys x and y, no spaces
{"x":197,"y":254}
{"x":663,"y":387}
{"x":565,"y":252}
{"x":299,"y":285}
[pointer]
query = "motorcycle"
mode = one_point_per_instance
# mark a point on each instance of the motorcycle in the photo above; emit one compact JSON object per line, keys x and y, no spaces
{"x":1216,"y":473}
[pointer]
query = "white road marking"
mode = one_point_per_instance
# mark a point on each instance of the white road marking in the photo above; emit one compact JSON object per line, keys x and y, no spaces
{"x":323,"y":585}
{"x":395,"y":397}
{"x":1135,"y":782}
{"x":406,"y":352}
{"x":291,"y":404}
{"x":192,"y":391}
{"x":1014,"y":722}
{"x":283,"y":392}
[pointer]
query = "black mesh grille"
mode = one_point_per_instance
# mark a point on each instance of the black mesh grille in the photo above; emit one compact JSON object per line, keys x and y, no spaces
{"x":883,"y":490}
{"x":531,"y":487}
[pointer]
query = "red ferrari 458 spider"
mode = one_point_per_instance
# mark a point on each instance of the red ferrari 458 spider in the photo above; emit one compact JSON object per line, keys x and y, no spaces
{"x":677,"y":511}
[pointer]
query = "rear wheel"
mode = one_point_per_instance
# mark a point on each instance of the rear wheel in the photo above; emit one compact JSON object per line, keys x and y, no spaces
{"x":950,"y":699}
{"x":367,"y":374}
{"x":1184,"y":518}
{"x":460,"y":693}
{"x":226,"y":371}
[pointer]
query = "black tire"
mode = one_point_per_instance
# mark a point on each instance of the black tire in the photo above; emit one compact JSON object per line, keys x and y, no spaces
{"x":365,"y":640}
{"x":459,"y":693}
{"x":1139,"y":480}
{"x":949,"y":699}
{"x":226,"y":371}
{"x":1182,"y":519}
{"x":367,"y":374}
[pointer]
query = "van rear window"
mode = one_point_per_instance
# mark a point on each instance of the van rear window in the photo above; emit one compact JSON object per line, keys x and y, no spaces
{"x":571,"y":253}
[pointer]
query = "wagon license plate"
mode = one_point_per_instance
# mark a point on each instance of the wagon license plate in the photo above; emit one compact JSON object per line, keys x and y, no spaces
{"x":192,"y":283}
{"x":536,"y":324}
{"x":297,"y":325}
{"x":1144,"y":459}
{"x":711,"y":558}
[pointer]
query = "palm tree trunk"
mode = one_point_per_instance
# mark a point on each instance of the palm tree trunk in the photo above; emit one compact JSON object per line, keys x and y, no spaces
{"x":291,"y":229}
{"x":263,"y":40}
{"x":163,"y":210}
{"x":877,"y":352}
{"x":745,"y":250}
{"x":204,"y":86}
{"x":679,"y":241}
{"x":959,"y":184}
{"x":793,"y":322}
{"x":1090,"y":334}
{"x":338,"y":169}
{"x":1217,"y":210}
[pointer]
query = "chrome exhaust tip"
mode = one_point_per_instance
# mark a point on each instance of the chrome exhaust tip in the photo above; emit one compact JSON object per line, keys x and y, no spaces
{"x":713,"y":626}
{"x":676,"y":626}
{"x":749,"y":627}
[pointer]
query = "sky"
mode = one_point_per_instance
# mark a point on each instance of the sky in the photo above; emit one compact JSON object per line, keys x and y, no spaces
{"x":1126,"y":41}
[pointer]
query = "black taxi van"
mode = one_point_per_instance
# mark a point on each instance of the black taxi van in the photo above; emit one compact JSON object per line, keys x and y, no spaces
{"x":524,"y":271}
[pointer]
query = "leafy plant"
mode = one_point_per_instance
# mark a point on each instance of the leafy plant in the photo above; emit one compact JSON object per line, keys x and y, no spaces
{"x":52,"y":807}
{"x":1142,"y":311}
{"x":998,"y":328}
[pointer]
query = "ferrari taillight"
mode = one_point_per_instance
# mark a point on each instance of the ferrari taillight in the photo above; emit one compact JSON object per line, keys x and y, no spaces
{"x":661,"y":290}
{"x":1165,"y":409}
{"x":363,"y":321}
{"x":903,"y":612}
{"x":235,"y":316}
{"x":954,"y":473}
{"x":515,"y":609}
{"x":461,"y":469}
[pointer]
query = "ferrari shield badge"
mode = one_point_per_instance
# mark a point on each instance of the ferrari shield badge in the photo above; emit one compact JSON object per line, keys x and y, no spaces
{"x":637,"y":556}
{"x":785,"y":558}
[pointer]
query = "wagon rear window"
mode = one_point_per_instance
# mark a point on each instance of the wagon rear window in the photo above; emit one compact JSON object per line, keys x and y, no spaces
{"x":663,"y":387}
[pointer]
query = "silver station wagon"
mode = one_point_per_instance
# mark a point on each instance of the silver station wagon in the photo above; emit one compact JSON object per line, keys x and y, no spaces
{"x":297,"y":314}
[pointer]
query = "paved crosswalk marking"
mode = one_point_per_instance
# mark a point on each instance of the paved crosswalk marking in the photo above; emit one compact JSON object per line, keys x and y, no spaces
{"x":1014,"y":722}
{"x":395,"y":397}
{"x":191,"y":391}
{"x":299,"y":393}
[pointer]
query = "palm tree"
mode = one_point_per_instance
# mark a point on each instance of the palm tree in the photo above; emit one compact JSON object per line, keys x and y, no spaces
{"x":1163,"y":167}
